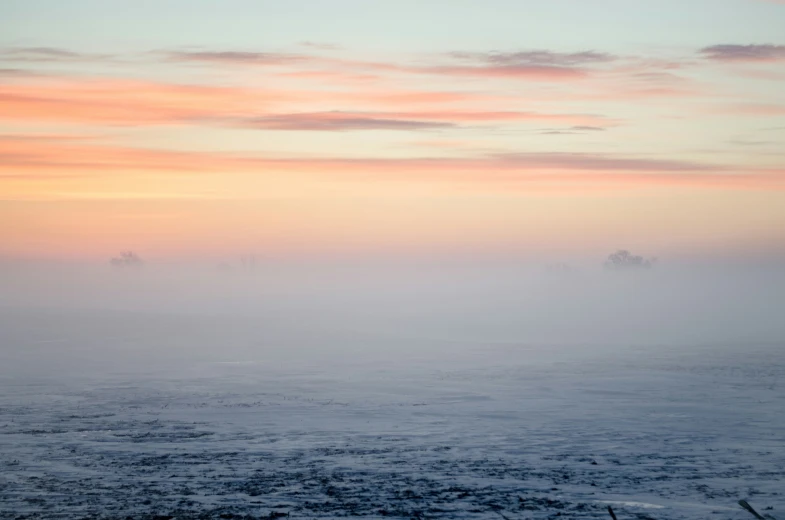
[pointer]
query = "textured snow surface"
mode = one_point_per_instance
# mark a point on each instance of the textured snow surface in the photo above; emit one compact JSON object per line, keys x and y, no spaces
{"x":494,"y":431}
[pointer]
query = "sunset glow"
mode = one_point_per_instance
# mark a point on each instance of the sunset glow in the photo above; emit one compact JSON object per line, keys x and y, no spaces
{"x":207,"y":129}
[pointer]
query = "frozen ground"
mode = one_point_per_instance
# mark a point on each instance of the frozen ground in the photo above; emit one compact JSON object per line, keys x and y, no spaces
{"x":463,"y":431}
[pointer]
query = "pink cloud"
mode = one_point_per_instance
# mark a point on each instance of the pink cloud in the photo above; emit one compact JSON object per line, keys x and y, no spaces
{"x":40,"y":160}
{"x":532,"y":72}
{"x":125,"y":102}
{"x":410,"y":120}
{"x":235,"y":57}
{"x":140,"y":103}
{"x":533,"y":65}
{"x":744,"y":53}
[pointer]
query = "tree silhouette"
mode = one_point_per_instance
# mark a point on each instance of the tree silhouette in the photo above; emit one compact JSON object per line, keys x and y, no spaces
{"x":127,"y":259}
{"x":623,"y":260}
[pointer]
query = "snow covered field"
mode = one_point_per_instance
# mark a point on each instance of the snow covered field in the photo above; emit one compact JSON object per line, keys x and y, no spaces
{"x":469,"y":430}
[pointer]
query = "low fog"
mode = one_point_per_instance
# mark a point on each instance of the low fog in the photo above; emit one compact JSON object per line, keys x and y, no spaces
{"x":445,"y":388}
{"x":112,"y":317}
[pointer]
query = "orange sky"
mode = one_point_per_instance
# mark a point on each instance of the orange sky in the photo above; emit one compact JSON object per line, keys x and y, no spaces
{"x":239,"y":144}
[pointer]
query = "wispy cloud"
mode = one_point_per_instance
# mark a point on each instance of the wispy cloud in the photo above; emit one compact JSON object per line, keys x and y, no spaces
{"x":536,"y":58}
{"x":46,"y":54}
{"x":744,"y":53}
{"x":600,"y":162}
{"x":573,"y":130}
{"x":530,"y":72}
{"x":7,"y":72}
{"x":321,"y":46}
{"x":139,"y":103}
{"x":532,"y":64}
{"x":587,"y":128}
{"x":24,"y":152}
{"x":355,"y":107}
{"x":536,"y":65}
{"x":338,"y":121}
{"x":411,"y":120}
{"x":234,"y":57}
{"x":24,"y":160}
{"x":127,"y":102}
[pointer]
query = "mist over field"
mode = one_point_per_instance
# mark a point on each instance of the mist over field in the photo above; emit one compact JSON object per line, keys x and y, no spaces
{"x":299,"y":311}
{"x":425,"y":389}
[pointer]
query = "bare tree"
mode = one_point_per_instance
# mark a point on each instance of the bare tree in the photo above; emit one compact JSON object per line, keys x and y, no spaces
{"x":127,"y":259}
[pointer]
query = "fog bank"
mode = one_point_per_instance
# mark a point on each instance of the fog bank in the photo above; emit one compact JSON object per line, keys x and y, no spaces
{"x":343,"y":312}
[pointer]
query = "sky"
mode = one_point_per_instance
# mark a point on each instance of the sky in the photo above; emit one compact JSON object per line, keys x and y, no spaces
{"x":551,"y":129}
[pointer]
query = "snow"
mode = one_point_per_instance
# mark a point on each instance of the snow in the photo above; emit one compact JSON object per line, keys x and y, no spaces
{"x":258,"y":425}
